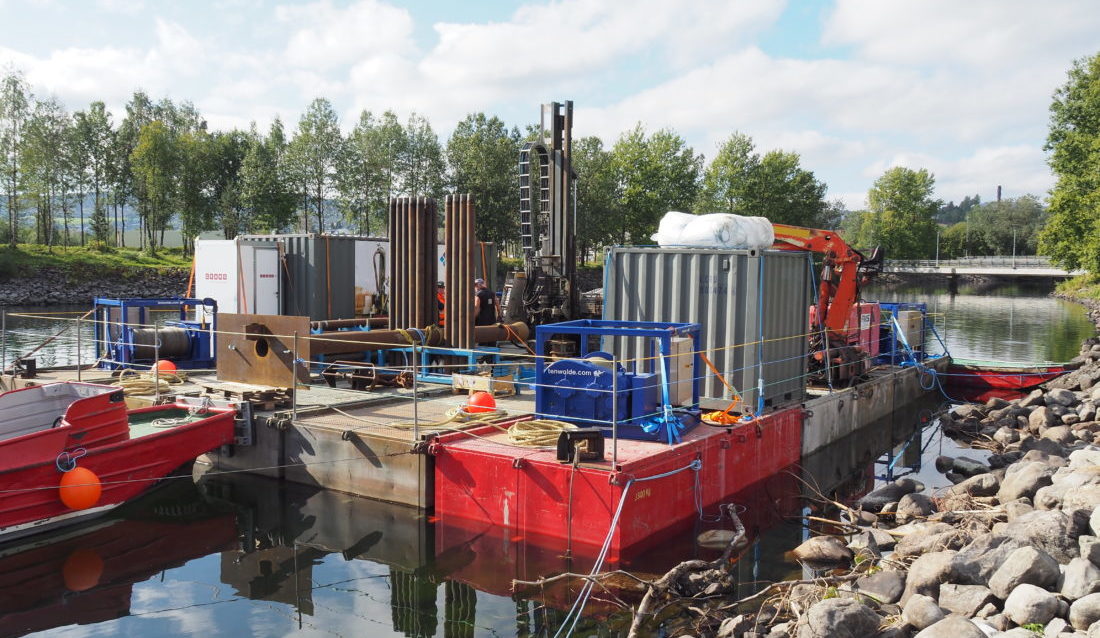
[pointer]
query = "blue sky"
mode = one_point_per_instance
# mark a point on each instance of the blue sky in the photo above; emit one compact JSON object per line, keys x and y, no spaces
{"x":853,"y":86}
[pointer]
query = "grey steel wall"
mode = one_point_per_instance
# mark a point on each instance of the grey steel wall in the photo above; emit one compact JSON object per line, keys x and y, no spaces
{"x":752,"y":306}
{"x":318,"y":275}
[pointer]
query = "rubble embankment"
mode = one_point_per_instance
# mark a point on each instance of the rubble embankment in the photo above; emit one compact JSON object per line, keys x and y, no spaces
{"x":54,"y":286}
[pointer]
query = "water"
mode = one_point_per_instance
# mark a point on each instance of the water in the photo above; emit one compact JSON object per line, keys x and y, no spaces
{"x":238,"y":554}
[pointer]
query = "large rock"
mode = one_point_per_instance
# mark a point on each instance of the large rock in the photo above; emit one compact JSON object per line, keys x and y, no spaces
{"x":966,"y":600}
{"x":952,"y":627}
{"x":928,"y":572}
{"x":979,"y":485}
{"x":1029,"y":604}
{"x":1085,"y":611}
{"x":1084,"y":497}
{"x":914,"y":507}
{"x":1024,"y":479}
{"x":1040,"y":419}
{"x":921,"y":611}
{"x":1087,"y":411}
{"x":885,"y":586}
{"x":1026,"y":565}
{"x":1059,"y":396}
{"x":838,"y":618}
{"x":1060,"y":434}
{"x":922,"y":543}
{"x":889,"y":493}
{"x":976,"y":563}
{"x":1032,"y":399}
{"x":1080,"y":579}
{"x":1094,"y":521}
{"x":1054,"y":532}
{"x":823,"y":550}
{"x":1006,"y":435}
{"x":1089,"y":546}
{"x":1084,"y":458}
{"x":1046,"y":446}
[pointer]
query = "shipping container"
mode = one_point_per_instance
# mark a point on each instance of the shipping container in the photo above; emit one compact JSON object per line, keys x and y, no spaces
{"x":241,"y":275}
{"x":317,"y":273}
{"x":752,"y":306}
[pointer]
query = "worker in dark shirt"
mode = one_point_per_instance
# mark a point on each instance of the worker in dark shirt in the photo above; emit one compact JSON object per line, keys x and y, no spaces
{"x":486,"y":309}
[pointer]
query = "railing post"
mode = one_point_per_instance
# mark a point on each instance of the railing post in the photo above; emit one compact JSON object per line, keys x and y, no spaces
{"x":294,"y":381}
{"x":615,"y":412}
{"x":79,"y":347}
{"x":156,"y":360}
{"x":416,"y":389}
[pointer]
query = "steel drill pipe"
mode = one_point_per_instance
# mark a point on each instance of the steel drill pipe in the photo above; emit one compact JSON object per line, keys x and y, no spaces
{"x":350,"y":342}
{"x":375,"y":323}
{"x":500,"y":332}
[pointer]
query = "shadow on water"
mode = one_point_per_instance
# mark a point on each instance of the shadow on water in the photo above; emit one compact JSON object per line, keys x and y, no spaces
{"x":244,"y":554}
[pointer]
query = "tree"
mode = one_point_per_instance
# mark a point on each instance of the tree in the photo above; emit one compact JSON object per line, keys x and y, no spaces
{"x":655,"y":174}
{"x":422,"y":168}
{"x":15,"y":101}
{"x":1072,"y":235}
{"x":727,"y":179}
{"x":124,"y":185}
{"x":227,"y":152}
{"x":597,"y":195}
{"x":264,"y":192}
{"x":1000,"y":228}
{"x":96,"y":140}
{"x":313,"y":154}
{"x":903,"y":213}
{"x":155,"y":162}
{"x":44,"y":163}
{"x":482,"y":154}
{"x":358,"y":175}
{"x":949,"y":213}
{"x":194,"y":194}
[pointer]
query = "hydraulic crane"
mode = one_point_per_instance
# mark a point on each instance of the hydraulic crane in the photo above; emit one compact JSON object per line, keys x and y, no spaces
{"x":843,"y":271}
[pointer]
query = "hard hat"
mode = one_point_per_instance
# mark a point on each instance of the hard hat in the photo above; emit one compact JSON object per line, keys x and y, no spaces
{"x":440,"y":284}
{"x":479,"y":281}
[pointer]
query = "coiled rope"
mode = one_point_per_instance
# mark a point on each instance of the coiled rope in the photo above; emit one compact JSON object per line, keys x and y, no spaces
{"x":133,"y":382}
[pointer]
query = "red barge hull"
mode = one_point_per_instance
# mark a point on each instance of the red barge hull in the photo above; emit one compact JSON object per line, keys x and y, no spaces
{"x":481,"y":480}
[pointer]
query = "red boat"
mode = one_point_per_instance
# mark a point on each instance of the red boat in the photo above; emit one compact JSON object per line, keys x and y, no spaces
{"x":82,"y":436}
{"x":1001,"y":375}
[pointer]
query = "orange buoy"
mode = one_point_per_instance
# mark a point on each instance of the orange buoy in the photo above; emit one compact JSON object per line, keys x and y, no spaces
{"x":164,"y":365}
{"x":481,"y":402}
{"x":80,"y":488}
{"x":82,"y":570}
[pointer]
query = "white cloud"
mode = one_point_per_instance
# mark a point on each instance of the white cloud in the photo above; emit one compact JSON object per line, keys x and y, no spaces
{"x":125,"y":7}
{"x":326,"y":37}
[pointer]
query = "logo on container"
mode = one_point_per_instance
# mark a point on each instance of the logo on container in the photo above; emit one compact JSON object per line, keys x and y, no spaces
{"x":216,"y":276}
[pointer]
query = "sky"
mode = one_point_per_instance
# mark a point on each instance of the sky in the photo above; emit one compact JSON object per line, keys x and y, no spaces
{"x":853,"y":86}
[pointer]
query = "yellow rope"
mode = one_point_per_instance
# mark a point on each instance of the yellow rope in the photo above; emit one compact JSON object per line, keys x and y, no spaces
{"x":133,"y":382}
{"x":537,"y":432}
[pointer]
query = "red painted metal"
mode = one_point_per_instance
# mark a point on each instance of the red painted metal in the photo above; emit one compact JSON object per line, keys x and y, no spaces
{"x":1001,"y":377}
{"x":126,"y":467}
{"x":483,"y":480}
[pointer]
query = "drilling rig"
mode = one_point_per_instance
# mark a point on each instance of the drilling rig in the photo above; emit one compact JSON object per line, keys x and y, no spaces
{"x":545,"y":290}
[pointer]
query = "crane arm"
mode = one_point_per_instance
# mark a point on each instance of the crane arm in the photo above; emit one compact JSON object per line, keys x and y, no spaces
{"x":839,"y":287}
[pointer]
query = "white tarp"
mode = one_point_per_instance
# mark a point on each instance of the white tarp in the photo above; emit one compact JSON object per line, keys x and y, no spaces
{"x":716,"y":230}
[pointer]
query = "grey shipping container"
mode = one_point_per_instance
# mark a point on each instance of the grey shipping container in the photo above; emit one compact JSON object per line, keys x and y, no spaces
{"x":752,"y":305}
{"x":318,"y":275}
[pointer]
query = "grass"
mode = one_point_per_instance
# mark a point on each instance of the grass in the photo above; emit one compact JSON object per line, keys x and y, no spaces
{"x":1080,"y":287}
{"x":29,"y":258}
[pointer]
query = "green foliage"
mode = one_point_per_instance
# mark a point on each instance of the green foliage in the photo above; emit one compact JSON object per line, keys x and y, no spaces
{"x":597,"y":195}
{"x":1034,"y":627}
{"x":655,"y":174}
{"x":902,"y":212}
{"x":1080,"y":287}
{"x":28,"y":258}
{"x":997,"y":228}
{"x":155,"y":160}
{"x":482,"y":154}
{"x":1072,"y":235}
{"x":950,"y":213}
{"x":312,"y":154}
{"x":775,"y":186}
{"x":421,"y":163}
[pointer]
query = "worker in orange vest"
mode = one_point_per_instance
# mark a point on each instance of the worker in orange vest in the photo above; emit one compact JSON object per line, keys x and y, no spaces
{"x":441,"y":300}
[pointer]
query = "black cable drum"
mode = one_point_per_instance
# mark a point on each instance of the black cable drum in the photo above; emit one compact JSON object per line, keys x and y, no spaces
{"x":174,"y":342}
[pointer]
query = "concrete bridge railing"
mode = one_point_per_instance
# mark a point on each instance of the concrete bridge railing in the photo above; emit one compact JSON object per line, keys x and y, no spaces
{"x":992,"y":266}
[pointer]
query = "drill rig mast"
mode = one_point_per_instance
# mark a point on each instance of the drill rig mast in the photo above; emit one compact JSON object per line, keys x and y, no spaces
{"x":545,"y":292}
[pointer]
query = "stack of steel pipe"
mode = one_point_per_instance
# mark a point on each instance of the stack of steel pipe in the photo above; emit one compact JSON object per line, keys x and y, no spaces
{"x":413,"y":270}
{"x":458,"y":219}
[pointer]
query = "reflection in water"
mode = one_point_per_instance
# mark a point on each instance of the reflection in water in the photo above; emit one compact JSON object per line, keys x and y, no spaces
{"x":22,"y":334}
{"x":1003,"y":322}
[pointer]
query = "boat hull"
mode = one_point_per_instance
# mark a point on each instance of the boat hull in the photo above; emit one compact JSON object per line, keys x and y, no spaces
{"x":1001,"y":377}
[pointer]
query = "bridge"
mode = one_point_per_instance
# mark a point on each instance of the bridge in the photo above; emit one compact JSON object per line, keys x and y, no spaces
{"x":1030,"y":266}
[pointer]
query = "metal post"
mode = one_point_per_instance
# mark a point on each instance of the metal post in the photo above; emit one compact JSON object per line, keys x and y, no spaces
{"x":156,"y":360}
{"x":614,"y":412}
{"x":79,"y":345}
{"x":3,"y":345}
{"x":294,"y":381}
{"x":416,"y":388}
{"x":1014,"y":249}
{"x":937,"y":247}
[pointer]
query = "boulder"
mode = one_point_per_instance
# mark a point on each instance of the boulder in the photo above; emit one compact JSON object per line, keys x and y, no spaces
{"x":1069,"y":419}
{"x":1052,"y":531}
{"x":885,"y":586}
{"x":1086,"y":496}
{"x":1089,"y":546}
{"x":1016,"y":509}
{"x":979,"y":485}
{"x":914,"y":506}
{"x":1084,"y":458}
{"x":917,"y":544}
{"x":1094,"y":521}
{"x":838,"y":618}
{"x":1024,"y":565}
{"x":966,"y":600}
{"x":1040,"y":419}
{"x":921,"y":611}
{"x":996,"y":403}
{"x":1028,"y":604}
{"x":1024,"y":479}
{"x":875,"y":500}
{"x":1049,"y":497}
{"x":1032,"y":399}
{"x":1017,"y":632}
{"x":968,"y":411}
{"x":1046,"y":446}
{"x":823,"y":550}
{"x":1080,"y":579}
{"x":928,"y":572}
{"x":1087,"y":411}
{"x":1006,"y":435}
{"x":1084,"y":612}
{"x":952,"y":627}
{"x":1061,"y":434}
{"x":1060,"y":396}
{"x":969,"y":467}
{"x":977,"y":562}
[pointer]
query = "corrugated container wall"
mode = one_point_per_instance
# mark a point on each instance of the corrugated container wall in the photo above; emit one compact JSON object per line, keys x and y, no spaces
{"x":752,"y":305}
{"x":319,"y":275}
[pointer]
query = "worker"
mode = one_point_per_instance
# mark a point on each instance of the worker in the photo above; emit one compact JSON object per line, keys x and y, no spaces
{"x":441,"y":300}
{"x":486,"y":308}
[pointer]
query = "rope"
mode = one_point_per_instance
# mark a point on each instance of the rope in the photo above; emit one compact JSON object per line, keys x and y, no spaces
{"x":133,"y":382}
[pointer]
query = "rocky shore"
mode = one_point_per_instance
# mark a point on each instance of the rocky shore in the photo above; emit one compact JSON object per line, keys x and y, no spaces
{"x":55,"y":287}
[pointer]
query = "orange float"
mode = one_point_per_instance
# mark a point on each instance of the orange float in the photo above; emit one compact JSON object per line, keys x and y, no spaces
{"x":164,"y":365}
{"x":481,"y":402}
{"x":80,"y":488}
{"x":82,"y":570}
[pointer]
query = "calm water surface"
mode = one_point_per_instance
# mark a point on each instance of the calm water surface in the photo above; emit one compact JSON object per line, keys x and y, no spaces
{"x":242,"y":555}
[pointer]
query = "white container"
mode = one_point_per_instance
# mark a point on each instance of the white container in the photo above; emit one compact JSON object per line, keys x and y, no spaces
{"x":241,"y":275}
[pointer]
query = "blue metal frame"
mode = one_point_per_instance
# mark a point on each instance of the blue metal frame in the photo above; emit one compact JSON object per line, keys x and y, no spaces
{"x":118,"y":349}
{"x":889,"y":350}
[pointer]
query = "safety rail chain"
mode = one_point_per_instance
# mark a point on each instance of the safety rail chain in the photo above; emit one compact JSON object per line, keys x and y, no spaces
{"x":885,"y":321}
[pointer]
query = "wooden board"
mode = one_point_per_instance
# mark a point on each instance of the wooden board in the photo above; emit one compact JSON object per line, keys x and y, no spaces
{"x":260,"y":349}
{"x":501,"y":385}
